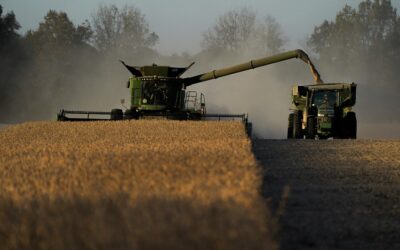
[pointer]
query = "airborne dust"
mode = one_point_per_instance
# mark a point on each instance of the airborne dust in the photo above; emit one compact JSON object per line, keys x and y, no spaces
{"x":265,"y":94}
{"x":262,"y":93}
{"x":97,"y":82}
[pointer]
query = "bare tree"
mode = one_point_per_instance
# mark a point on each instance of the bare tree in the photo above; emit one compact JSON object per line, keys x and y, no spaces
{"x":121,"y":29}
{"x":241,"y":30}
{"x":231,"y":30}
{"x":269,"y":35}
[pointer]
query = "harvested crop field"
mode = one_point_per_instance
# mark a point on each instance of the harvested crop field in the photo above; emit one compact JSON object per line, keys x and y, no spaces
{"x":131,"y":185}
{"x":343,"y":194}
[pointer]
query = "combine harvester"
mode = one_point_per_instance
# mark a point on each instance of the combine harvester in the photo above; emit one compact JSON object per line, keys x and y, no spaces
{"x":159,"y":92}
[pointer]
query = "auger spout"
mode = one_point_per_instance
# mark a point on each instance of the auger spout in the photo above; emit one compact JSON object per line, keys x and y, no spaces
{"x":300,"y":54}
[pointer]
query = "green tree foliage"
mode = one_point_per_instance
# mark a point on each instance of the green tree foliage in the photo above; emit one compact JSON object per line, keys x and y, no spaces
{"x":240,"y":30}
{"x":363,"y":45}
{"x":57,"y":50}
{"x":57,"y":34}
{"x":367,"y":35}
{"x":60,"y":63}
{"x":121,"y":30}
{"x":8,"y":27}
{"x":11,"y":57}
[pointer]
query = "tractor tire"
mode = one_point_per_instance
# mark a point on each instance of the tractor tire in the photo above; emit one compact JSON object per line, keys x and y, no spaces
{"x":290,"y":127}
{"x":116,"y":114}
{"x":311,"y":128}
{"x":297,"y":130}
{"x":350,"y":123}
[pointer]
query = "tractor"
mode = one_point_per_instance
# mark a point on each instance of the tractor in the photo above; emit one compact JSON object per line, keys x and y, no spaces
{"x":323,"y":111}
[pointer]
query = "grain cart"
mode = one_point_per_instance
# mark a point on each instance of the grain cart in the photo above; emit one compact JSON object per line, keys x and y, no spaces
{"x":323,"y":110}
{"x":160,"y":92}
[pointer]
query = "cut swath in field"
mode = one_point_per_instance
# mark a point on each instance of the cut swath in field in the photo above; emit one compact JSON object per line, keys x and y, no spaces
{"x":131,"y":184}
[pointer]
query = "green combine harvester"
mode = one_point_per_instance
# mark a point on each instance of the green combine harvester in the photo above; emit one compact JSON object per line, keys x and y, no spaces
{"x":159,"y":92}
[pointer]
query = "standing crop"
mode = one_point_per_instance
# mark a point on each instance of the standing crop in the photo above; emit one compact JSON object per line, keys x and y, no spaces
{"x":131,"y":185}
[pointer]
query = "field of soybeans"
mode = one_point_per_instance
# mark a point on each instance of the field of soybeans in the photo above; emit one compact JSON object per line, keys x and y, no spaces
{"x":131,"y":185}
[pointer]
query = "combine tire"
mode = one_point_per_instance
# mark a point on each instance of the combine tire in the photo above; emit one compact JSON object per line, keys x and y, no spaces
{"x":290,"y":127}
{"x":117,"y":114}
{"x":311,"y":127}
{"x":249,"y":129}
{"x":297,"y":131}
{"x":132,"y":114}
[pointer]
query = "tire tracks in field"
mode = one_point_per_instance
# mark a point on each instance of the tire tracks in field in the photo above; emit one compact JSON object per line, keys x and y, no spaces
{"x":344,"y":194}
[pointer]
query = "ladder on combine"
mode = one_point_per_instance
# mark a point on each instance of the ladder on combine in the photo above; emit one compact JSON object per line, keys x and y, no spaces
{"x":194,"y":103}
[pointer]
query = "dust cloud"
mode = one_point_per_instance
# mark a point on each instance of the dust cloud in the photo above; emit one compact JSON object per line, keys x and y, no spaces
{"x":86,"y":80}
{"x":263,"y":93}
{"x":378,"y":95}
{"x":98,"y":83}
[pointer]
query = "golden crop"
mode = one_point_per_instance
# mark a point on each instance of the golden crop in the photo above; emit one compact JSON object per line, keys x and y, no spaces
{"x":131,"y":185}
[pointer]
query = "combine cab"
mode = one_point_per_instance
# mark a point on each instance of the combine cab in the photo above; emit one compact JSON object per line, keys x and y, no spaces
{"x":323,"y":111}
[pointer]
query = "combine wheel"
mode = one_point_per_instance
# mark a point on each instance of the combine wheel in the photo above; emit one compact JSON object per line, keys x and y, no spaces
{"x":290,"y":127}
{"x":249,"y":129}
{"x":132,"y":114}
{"x":60,"y":117}
{"x":311,"y":127}
{"x":117,"y":114}
{"x":297,"y":130}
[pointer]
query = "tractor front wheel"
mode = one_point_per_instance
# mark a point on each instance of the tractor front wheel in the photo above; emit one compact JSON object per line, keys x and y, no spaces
{"x":297,"y":128}
{"x":290,"y":127}
{"x":311,"y":127}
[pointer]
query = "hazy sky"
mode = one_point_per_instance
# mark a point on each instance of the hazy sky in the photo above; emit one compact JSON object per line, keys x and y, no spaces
{"x":180,"y":23}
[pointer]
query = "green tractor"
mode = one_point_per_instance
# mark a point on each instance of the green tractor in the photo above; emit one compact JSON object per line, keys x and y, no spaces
{"x":323,"y":111}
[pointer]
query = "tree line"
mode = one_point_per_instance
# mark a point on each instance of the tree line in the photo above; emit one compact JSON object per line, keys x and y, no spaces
{"x":48,"y":67}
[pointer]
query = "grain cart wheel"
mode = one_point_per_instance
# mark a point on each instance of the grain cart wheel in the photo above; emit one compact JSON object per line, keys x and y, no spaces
{"x":311,"y":127}
{"x":290,"y":127}
{"x":351,"y":125}
{"x":297,"y":133}
{"x":117,"y":114}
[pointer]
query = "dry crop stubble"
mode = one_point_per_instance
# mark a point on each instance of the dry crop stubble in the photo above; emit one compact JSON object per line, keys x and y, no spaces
{"x":131,"y":184}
